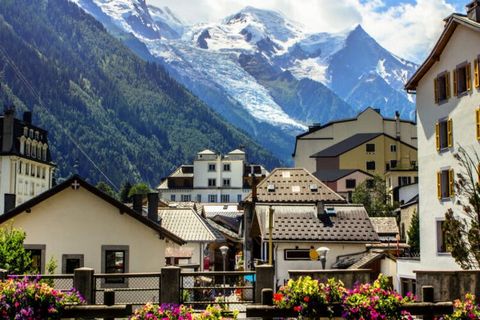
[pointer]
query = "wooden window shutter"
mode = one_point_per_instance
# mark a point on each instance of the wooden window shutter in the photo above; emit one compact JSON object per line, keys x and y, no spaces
{"x":477,"y":121}
{"x":447,"y":85}
{"x":476,"y":75}
{"x":469,"y":76}
{"x":455,"y":85}
{"x":451,"y":183}
{"x":435,"y":89}
{"x":478,"y":174}
{"x":437,"y":135}
{"x":450,"y":133}
{"x":439,"y":184}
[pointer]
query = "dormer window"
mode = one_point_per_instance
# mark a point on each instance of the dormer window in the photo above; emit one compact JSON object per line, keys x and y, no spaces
{"x":36,"y":135}
{"x":441,"y":86}
{"x":25,"y":131}
{"x":462,"y":79}
{"x":27,"y":148}
{"x":31,"y":133}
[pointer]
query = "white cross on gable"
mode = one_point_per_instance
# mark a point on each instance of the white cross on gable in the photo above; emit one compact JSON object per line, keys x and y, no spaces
{"x":75,"y":185}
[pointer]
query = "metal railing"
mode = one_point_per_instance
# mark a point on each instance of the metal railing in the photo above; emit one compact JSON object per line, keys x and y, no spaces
{"x":129,"y":288}
{"x":233,"y":289}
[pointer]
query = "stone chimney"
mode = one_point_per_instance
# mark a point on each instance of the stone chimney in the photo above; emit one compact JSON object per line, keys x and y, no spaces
{"x":8,"y":128}
{"x":9,"y":203}
{"x":137,"y":203}
{"x":27,"y":117}
{"x":153,"y":206}
{"x":320,"y":210}
{"x":473,"y":10}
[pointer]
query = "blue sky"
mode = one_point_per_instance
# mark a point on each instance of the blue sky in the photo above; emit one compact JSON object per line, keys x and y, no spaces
{"x":408,"y":28}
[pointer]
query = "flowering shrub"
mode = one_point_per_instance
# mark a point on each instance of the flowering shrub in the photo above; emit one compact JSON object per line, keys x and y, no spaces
{"x":163,"y":312}
{"x":374,"y":301}
{"x":24,"y":299}
{"x":306,"y":295}
{"x":215,"y":312}
{"x":465,"y":310}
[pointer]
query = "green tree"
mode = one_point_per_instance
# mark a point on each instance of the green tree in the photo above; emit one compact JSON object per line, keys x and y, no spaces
{"x":374,"y":197}
{"x":13,"y":256}
{"x":462,"y":227}
{"x":124,"y":191}
{"x":106,"y":188}
{"x":139,"y":188}
{"x":414,"y":233}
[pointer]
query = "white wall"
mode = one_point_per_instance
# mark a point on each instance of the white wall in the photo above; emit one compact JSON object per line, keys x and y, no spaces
{"x":462,"y":46}
{"x":166,"y":194}
{"x":282,"y":266}
{"x":78,"y":222}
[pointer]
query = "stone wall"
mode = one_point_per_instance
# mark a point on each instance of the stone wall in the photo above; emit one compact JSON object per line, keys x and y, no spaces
{"x":448,"y":285}
{"x":348,"y":277}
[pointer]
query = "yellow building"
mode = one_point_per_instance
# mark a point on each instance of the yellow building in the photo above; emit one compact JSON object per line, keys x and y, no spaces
{"x":374,"y":153}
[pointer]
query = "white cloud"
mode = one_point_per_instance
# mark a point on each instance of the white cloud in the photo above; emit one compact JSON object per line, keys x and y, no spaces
{"x":408,"y":30}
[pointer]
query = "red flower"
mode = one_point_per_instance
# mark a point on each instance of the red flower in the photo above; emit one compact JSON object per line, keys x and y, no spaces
{"x":277,"y":297}
{"x":297,"y":308}
{"x":306,"y":299}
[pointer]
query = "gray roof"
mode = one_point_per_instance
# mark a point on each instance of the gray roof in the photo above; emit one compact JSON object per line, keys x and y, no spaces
{"x":300,"y":223}
{"x":224,"y":231}
{"x":385,"y":225}
{"x":334,"y":175}
{"x":293,"y":185}
{"x":346,"y":145}
{"x":187,"y":224}
{"x":366,"y":260}
{"x":219,"y":209}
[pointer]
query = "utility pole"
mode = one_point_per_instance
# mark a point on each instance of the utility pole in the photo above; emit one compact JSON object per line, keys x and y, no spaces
{"x":270,"y":240}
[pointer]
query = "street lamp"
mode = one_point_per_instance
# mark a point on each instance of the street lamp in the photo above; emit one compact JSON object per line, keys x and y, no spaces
{"x":224,"y":250}
{"x":322,"y":253}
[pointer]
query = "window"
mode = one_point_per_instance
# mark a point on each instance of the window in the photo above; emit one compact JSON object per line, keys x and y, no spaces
{"x":186,"y":198}
{"x":225,"y":198}
{"x":31,"y":133}
{"x":115,"y":260}
{"x":462,"y":79}
{"x":172,"y":197}
{"x":212,"y":198}
{"x":477,"y":121}
{"x":36,"y":135}
{"x":441,"y":244}
{"x":27,"y":168}
{"x":444,"y":134}
{"x":199,"y":198}
{"x":370,"y":183}
{"x":370,"y":147}
{"x":370,"y":165}
{"x":20,"y":165}
{"x":226,"y":167}
{"x":33,"y":169}
{"x":70,"y":262}
{"x":25,"y":131}
{"x":404,"y":180}
{"x":393,"y":148}
{"x":27,"y":149}
{"x":296,"y":254}
{"x":393,"y":164}
{"x":476,"y":76}
{"x":44,"y":154}
{"x":44,"y":170}
{"x":445,"y":184}
{"x":212,"y":182}
{"x":350,"y":183}
{"x":239,"y":197}
{"x":211,"y":167}
{"x":441,"y":86}
{"x":37,"y":253}
{"x":226,"y":182}
{"x":32,"y":188}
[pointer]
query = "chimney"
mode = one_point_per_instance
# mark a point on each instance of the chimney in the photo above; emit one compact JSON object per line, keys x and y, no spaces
{"x":9,"y":203}
{"x":473,"y":10}
{"x":397,"y":124}
{"x":8,"y":124}
{"x":27,"y":117}
{"x":320,"y":210}
{"x":137,"y":203}
{"x":152,"y":198}
{"x":254,"y":188}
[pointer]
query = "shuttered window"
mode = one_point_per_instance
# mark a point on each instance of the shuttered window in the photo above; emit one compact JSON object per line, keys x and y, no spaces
{"x":441,"y":86}
{"x":462,"y":79}
{"x":476,"y":75}
{"x":445,"y":184}
{"x":444,"y":134}
{"x":477,"y":122}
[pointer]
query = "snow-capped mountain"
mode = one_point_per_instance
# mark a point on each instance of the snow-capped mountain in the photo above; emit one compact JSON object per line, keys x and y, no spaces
{"x":262,"y":72}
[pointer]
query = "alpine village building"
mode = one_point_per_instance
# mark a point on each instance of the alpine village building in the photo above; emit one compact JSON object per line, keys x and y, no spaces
{"x":212,"y":178}
{"x":26,"y":168}
{"x":347,"y":152}
{"x":447,"y":87}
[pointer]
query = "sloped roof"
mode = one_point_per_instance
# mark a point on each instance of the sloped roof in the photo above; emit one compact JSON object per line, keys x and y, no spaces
{"x":334,"y":175}
{"x":224,"y":210}
{"x":224,"y":231}
{"x":237,"y":151}
{"x":187,"y":224}
{"x":300,"y":223}
{"x":384,"y":225}
{"x":367,"y":259}
{"x":207,"y":151}
{"x":293,"y":185}
{"x":76,"y":181}
{"x":450,"y":25}
{"x":346,"y":145}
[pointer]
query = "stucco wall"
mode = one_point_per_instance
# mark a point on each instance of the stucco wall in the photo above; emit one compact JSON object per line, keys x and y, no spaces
{"x":462,"y":112}
{"x":78,"y":222}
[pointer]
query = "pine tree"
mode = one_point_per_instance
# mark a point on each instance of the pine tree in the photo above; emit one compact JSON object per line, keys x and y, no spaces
{"x":414,"y":234}
{"x":105,"y":187}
